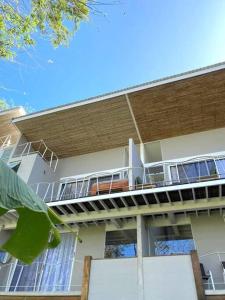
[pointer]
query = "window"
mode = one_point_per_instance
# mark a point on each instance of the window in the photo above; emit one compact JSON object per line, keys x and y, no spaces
{"x":193,"y":172}
{"x":81,"y":187}
{"x":155,"y":175}
{"x":173,"y":240}
{"x":220,"y":164}
{"x":174,"y":247}
{"x":121,"y":243}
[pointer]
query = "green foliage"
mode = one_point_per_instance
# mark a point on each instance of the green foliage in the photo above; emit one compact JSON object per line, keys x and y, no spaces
{"x":56,"y":20}
{"x":3,"y":104}
{"x":35,"y":230}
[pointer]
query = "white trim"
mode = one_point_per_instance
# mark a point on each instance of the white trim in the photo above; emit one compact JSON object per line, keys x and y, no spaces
{"x":123,"y":92}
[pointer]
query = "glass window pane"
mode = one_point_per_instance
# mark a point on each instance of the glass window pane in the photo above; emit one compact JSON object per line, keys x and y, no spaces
{"x":174,"y":247}
{"x":183,"y":174}
{"x":220,"y":163}
{"x":203,"y":171}
{"x":212,"y":167}
{"x":174,"y":174}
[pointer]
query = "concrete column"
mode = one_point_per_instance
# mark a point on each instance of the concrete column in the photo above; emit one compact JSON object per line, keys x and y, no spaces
{"x":142,"y":237}
{"x":142,"y":250}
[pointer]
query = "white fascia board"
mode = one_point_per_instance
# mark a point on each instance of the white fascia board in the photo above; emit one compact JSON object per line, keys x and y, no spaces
{"x":139,"y":192}
{"x":123,"y":92}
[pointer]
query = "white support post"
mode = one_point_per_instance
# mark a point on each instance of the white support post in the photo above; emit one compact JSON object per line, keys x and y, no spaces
{"x":142,"y":152}
{"x":142,"y":250}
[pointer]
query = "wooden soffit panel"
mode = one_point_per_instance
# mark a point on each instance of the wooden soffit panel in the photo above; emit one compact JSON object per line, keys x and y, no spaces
{"x":182,"y":107}
{"x":6,"y":127}
{"x":83,"y":129}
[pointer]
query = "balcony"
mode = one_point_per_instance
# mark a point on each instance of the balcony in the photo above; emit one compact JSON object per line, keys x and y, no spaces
{"x":36,"y":147}
{"x":165,"y":182}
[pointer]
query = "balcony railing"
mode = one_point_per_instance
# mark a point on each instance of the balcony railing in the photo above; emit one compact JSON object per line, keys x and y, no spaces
{"x":79,"y":187}
{"x":214,"y":266}
{"x":37,"y":277}
{"x":185,"y":171}
{"x":5,"y":141}
{"x":154,"y":175}
{"x":37,"y":147}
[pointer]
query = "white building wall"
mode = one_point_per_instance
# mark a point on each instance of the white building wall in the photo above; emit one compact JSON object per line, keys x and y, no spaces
{"x":26,"y":166}
{"x":93,"y":244}
{"x":92,"y":162}
{"x":169,"y":277}
{"x":34,"y":169}
{"x":41,"y":171}
{"x":193,"y":144}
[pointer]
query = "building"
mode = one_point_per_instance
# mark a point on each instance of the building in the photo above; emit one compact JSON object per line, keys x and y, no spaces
{"x":140,"y":174}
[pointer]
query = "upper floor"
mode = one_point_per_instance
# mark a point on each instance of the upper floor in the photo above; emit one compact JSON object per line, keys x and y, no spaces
{"x":161,"y":137}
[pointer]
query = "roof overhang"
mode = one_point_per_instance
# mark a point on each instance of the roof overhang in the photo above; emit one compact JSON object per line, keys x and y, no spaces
{"x":178,"y":105}
{"x":6,"y":126}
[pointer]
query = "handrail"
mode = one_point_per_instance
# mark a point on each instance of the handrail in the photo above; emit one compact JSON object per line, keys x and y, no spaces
{"x":137,"y":178}
{"x":211,"y":253}
{"x":6,"y":141}
{"x":39,"y":147}
{"x":33,"y":284}
{"x":55,"y":191}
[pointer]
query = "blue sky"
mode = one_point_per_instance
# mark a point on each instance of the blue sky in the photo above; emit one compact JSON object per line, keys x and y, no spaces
{"x":137,"y":41}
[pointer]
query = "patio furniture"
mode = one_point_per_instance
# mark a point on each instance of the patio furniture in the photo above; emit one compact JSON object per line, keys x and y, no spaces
{"x":207,"y":277}
{"x":109,"y":187}
{"x":145,"y":186}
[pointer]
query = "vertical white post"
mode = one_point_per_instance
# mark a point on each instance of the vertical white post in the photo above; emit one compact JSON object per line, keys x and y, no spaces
{"x":142,"y":152}
{"x":142,"y":250}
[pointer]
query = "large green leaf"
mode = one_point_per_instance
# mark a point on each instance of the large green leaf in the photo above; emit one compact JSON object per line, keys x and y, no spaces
{"x":35,"y":230}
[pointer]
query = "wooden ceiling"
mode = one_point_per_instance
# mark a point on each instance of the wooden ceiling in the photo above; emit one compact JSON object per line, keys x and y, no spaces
{"x":83,"y":129}
{"x":6,"y":127}
{"x":181,"y":107}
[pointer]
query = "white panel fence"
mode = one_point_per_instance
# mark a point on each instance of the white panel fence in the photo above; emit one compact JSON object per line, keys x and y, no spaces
{"x":155,"y":278}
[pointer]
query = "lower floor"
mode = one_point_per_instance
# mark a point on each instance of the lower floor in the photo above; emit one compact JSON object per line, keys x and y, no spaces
{"x":128,"y":244}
